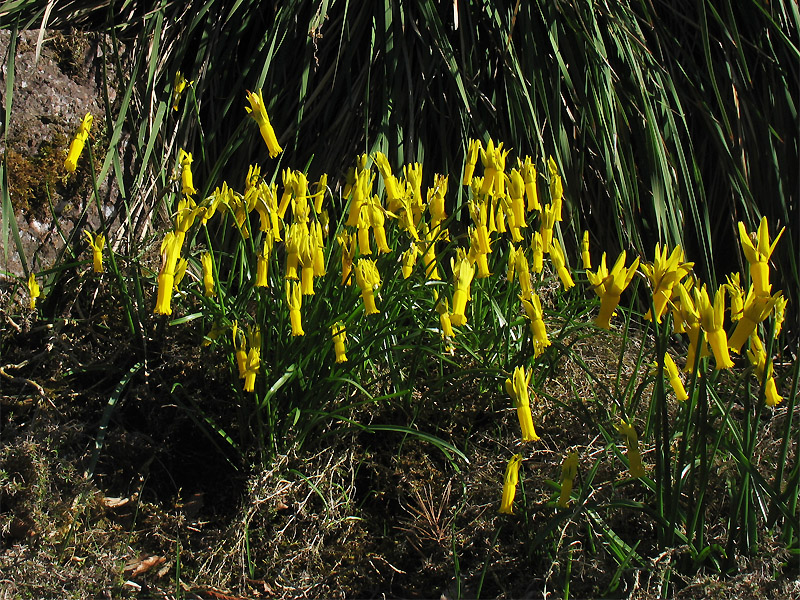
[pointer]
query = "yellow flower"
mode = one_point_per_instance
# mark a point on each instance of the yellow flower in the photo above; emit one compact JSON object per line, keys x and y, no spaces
{"x":736,"y":292}
{"x":187,"y":182}
{"x":409,"y":260}
{"x":533,"y":310}
{"x":429,"y":255}
{"x":178,"y":88}
{"x":586,"y":258}
{"x":251,"y":367}
{"x":757,"y":356}
{"x":444,"y":316}
{"x":674,"y":378}
{"x":463,"y":272}
{"x":548,"y":221}
{"x":780,"y":313}
{"x":339,"y":337}
{"x":510,"y":485}
{"x":180,"y":271}
{"x":517,"y":388}
{"x":663,"y":274}
{"x":516,"y":191}
{"x":690,"y":320}
{"x":569,"y":469}
{"x":33,"y":289}
{"x":627,"y":431}
{"x":758,"y":254}
{"x":556,"y":188}
{"x":77,"y":144}
{"x":560,"y":264}
{"x":393,"y":193}
{"x":262,"y":263}
{"x":97,"y":243}
{"x":368,"y":279}
{"x":712,"y":320}
{"x":537,"y":246}
{"x":476,"y":256}
{"x":207,"y":260}
{"x":523,"y":273}
{"x":494,"y":164}
{"x":294,"y":297}
{"x":529,"y":178}
{"x":376,"y":221}
{"x":477,"y":211}
{"x":170,"y":253}
{"x":294,"y":242}
{"x":258,"y":111}
{"x":348,"y":245}
{"x":756,"y":309}
{"x":473,"y":150}
{"x":610,"y":286}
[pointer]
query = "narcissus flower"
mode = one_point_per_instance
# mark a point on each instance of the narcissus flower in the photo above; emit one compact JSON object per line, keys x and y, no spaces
{"x":517,"y":388}
{"x":33,"y":289}
{"x":663,"y":273}
{"x":528,"y":172}
{"x":734,"y":288}
{"x":339,"y":336}
{"x":537,"y":247}
{"x":463,"y":272}
{"x":473,"y":150}
{"x":178,"y":89}
{"x":294,"y":297}
{"x":756,"y":309}
{"x":586,"y":258}
{"x":712,"y":320}
{"x":348,"y":244}
{"x":187,"y":181}
{"x":560,"y":264}
{"x":258,"y":111}
{"x":556,"y":188}
{"x":444,"y":316}
{"x":494,"y":164}
{"x":251,"y":367}
{"x":170,"y":253}
{"x":96,"y":242}
{"x":207,"y":261}
{"x":77,"y":144}
{"x":627,"y":431}
{"x":368,"y":279}
{"x":757,"y":251}
{"x":690,"y":324}
{"x":533,"y":310}
{"x":674,"y":378}
{"x":548,"y":221}
{"x":610,"y":285}
{"x":510,"y":485}
{"x":393,"y":192}
{"x":262,"y":263}
{"x":569,"y":470}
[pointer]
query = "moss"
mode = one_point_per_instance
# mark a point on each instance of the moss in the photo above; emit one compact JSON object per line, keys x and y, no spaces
{"x":31,"y":179}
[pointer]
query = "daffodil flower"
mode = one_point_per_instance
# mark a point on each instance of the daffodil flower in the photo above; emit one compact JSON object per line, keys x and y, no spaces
{"x":674,"y":378}
{"x":207,"y":261}
{"x":779,"y":311}
{"x":444,"y":316}
{"x":96,"y":242}
{"x":239,"y":350}
{"x":258,"y":111}
{"x":262,"y":262}
{"x":690,"y":319}
{"x":560,"y":263}
{"x":409,"y":259}
{"x":611,"y":286}
{"x":494,"y":164}
{"x":376,"y":221}
{"x":758,"y":255}
{"x":252,"y":365}
{"x":294,"y":242}
{"x":319,"y":249}
{"x":34,"y":291}
{"x":627,"y":431}
{"x":463,"y":272}
{"x":510,"y":485}
{"x":586,"y":257}
{"x":436,"y":204}
{"x":517,"y":388}
{"x":178,"y":88}
{"x":712,"y":320}
{"x":339,"y":336}
{"x":187,"y":181}
{"x":294,"y":297}
{"x":756,"y":309}
{"x":429,"y":255}
{"x":516,"y":191}
{"x":569,"y":470}
{"x":528,"y":171}
{"x":476,"y":256}
{"x":548,"y":221}
{"x":473,"y":150}
{"x":533,"y":311}
{"x":664,"y":273}
{"x":734,"y":288}
{"x":348,"y":244}
{"x":363,"y":232}
{"x":77,"y":144}
{"x":368,"y":279}
{"x":319,"y":195}
{"x":477,"y":211}
{"x":393,"y":193}
{"x":307,"y":258}
{"x":537,"y":247}
{"x":170,"y":253}
{"x":523,"y":273}
{"x":556,"y":188}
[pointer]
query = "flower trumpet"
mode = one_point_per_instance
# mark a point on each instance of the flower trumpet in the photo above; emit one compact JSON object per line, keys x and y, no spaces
{"x":96,"y":242}
{"x":569,"y":469}
{"x":517,"y":388}
{"x":258,"y":111}
{"x":510,"y":485}
{"x":77,"y":144}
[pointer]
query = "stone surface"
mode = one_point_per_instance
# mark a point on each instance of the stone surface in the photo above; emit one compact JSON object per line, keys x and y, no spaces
{"x":51,"y":94}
